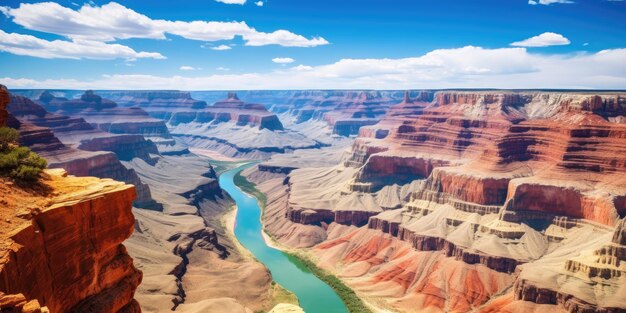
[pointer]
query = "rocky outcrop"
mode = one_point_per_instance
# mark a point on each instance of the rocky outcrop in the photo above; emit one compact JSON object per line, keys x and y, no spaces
{"x":154,"y":99}
{"x":75,"y":131}
{"x":233,"y":110}
{"x":177,"y":108}
{"x":72,"y":144}
{"x":4,"y":101}
{"x":105,"y":115}
{"x":509,"y":182}
{"x":275,"y":168}
{"x":230,"y":126}
{"x":61,"y":247}
{"x":125,"y":147}
{"x":344,"y":111}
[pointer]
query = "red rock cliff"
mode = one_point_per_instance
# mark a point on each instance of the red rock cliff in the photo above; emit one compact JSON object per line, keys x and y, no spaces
{"x":60,"y":246}
{"x":4,"y":101}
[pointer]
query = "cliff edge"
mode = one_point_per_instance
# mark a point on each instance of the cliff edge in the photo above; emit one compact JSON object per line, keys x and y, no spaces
{"x":60,"y":246}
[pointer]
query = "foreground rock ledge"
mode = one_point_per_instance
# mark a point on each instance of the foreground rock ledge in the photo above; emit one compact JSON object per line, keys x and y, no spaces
{"x":60,"y":246}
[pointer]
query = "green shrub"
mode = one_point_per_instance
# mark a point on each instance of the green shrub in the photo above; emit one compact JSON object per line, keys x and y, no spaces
{"x":8,"y":136}
{"x":18,"y":163}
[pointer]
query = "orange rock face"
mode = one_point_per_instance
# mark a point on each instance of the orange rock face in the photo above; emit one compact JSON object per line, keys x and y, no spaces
{"x":61,"y":246}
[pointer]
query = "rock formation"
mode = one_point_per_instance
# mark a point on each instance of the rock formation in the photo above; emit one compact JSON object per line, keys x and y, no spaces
{"x":344,"y":111}
{"x":4,"y":101}
{"x":180,"y":239}
{"x":501,"y":187}
{"x":72,"y":144}
{"x":230,"y":126}
{"x":105,"y":114}
{"x":61,"y":248}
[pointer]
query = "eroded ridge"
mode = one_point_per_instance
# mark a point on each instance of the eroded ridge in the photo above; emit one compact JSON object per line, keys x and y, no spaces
{"x":498,"y":187}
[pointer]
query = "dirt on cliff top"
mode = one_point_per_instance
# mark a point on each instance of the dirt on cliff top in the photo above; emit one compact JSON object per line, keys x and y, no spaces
{"x":17,"y":204}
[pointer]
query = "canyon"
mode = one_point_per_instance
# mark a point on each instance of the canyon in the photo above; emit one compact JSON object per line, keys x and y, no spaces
{"x":422,"y":200}
{"x":462,"y":201}
{"x":61,"y":243}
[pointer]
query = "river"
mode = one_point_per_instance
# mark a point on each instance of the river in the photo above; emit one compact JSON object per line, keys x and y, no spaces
{"x":314,"y":295}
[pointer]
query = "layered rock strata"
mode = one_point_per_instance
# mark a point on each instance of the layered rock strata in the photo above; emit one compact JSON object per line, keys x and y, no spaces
{"x":4,"y":101}
{"x":105,"y":114}
{"x":188,"y":259}
{"x":344,"y":111}
{"x":61,"y":247}
{"x":72,"y":144}
{"x":507,"y":183}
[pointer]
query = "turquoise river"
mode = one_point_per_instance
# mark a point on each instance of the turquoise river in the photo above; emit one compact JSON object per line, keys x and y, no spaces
{"x":314,"y":295}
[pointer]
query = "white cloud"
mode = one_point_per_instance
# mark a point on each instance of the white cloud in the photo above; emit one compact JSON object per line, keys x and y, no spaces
{"x":302,"y":67}
{"x":467,"y":67}
{"x":283,"y":38}
{"x":223,"y":69}
{"x":78,"y":49}
{"x":221,"y":47}
{"x":544,"y":40}
{"x":548,"y":2}
{"x":283,"y":60}
{"x":114,"y":21}
{"x":242,"y":2}
{"x":259,"y":3}
{"x":187,"y":68}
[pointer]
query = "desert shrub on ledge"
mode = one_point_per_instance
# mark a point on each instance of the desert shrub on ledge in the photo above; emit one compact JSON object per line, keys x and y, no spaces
{"x":18,"y":163}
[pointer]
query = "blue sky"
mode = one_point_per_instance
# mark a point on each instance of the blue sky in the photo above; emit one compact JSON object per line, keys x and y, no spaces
{"x":287,"y":44}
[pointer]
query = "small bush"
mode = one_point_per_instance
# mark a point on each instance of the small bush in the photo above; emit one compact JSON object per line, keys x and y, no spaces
{"x":8,"y":136}
{"x":18,"y":163}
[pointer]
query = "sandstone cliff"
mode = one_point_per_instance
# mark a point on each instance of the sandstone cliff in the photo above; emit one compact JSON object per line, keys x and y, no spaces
{"x":61,"y":248}
{"x":4,"y":101}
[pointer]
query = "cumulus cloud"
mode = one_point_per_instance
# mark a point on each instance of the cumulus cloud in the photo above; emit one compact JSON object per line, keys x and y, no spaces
{"x":242,"y":2}
{"x":77,"y":49}
{"x":221,"y":48}
{"x":548,"y":2}
{"x":544,"y":40}
{"x":114,"y":21}
{"x":302,"y":67}
{"x":283,"y":38}
{"x":223,"y":69}
{"x":259,"y":3}
{"x":187,"y":68}
{"x":466,"y":67}
{"x":283,"y":60}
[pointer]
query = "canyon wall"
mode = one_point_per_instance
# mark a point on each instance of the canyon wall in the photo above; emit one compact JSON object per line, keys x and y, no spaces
{"x":74,"y":145}
{"x":62,"y":246}
{"x":345,"y":112}
{"x":4,"y":101}
{"x":488,"y":191}
{"x":229,"y":126}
